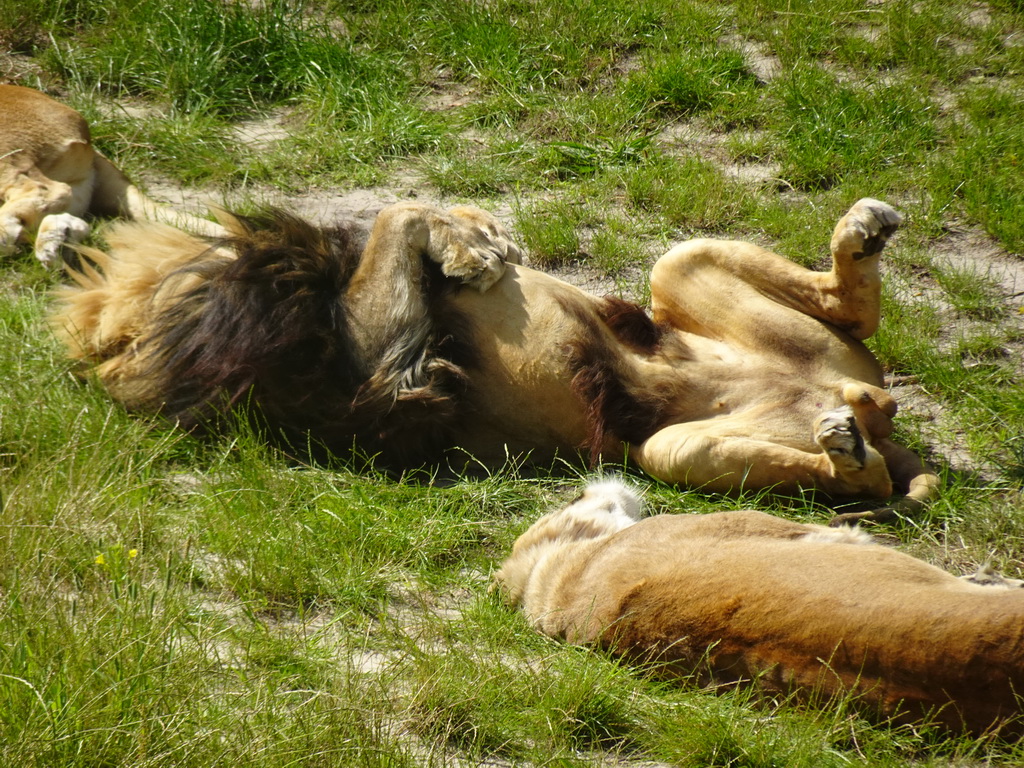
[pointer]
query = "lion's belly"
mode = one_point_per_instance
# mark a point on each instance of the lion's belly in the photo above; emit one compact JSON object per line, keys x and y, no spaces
{"x":757,"y":394}
{"x":520,"y":396}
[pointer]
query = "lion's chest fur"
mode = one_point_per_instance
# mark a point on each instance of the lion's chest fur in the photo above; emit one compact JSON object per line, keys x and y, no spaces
{"x":520,"y":385}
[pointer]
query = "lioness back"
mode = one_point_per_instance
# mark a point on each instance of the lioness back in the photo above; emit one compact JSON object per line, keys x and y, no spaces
{"x":37,"y":129}
{"x":800,"y":612}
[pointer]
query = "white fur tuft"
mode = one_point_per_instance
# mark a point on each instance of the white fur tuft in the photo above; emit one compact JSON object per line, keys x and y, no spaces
{"x":845,"y":534}
{"x":614,"y":493}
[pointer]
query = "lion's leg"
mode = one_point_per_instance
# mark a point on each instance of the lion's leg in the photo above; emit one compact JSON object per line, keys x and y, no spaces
{"x":711,"y":455}
{"x":387,"y":296}
{"x":851,"y":297}
{"x":909,"y":473}
{"x":115,"y":195}
{"x":51,"y":210}
{"x":734,"y":290}
{"x":12,"y":228}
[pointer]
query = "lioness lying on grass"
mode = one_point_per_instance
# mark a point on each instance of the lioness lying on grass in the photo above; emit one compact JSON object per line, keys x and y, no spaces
{"x":750,"y":371}
{"x":746,"y":596}
{"x":51,"y":176}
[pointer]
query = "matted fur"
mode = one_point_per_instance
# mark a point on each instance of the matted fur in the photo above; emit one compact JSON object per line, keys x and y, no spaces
{"x":433,"y":338}
{"x":745,"y":596}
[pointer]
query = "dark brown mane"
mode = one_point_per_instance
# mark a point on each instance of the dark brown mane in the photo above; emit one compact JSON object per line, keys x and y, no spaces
{"x":616,"y":407}
{"x":266,"y":335}
{"x":630,"y":324}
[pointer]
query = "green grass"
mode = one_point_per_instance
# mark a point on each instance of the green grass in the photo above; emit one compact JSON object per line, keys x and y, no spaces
{"x":687,"y":195}
{"x":833,"y":131}
{"x":170,"y":601}
{"x":987,"y":164}
{"x":703,"y":78}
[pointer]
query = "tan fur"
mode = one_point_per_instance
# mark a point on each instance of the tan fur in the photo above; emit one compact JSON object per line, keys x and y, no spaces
{"x":751,"y":375}
{"x":747,"y":596}
{"x":51,"y":177}
{"x":759,"y":385}
{"x":108,"y":307}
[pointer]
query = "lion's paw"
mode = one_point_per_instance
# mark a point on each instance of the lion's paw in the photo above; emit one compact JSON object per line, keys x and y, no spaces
{"x":10,"y":233}
{"x":987,"y":576}
{"x":56,"y":230}
{"x":837,"y":434}
{"x":865,"y":229}
{"x":486,"y":231}
{"x":477,"y":267}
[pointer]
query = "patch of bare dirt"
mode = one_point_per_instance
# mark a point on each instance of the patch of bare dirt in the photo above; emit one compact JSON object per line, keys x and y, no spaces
{"x":947,"y":443}
{"x":446,"y":94}
{"x":260,"y":133}
{"x":17,"y":69}
{"x":762,"y":64}
{"x":694,"y":138}
{"x":125,"y":108}
{"x":973,"y":251}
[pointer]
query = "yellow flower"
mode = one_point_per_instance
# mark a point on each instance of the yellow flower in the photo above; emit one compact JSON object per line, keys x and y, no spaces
{"x":132,"y":553}
{"x":100,"y":559}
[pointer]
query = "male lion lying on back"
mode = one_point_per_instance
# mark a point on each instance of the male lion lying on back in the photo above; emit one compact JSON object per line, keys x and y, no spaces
{"x":747,"y":596}
{"x":51,"y":176}
{"x":750,"y":372}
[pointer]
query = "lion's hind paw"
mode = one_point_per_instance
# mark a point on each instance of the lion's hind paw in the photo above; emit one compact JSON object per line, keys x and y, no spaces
{"x":865,"y":229}
{"x":837,"y":434}
{"x":55,"y":231}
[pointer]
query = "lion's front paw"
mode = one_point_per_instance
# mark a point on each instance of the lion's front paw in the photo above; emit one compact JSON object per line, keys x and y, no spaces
{"x":56,"y":230}
{"x":485,"y":227}
{"x":475,"y":266}
{"x":865,"y":229}
{"x":10,"y":233}
{"x":837,"y":434}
